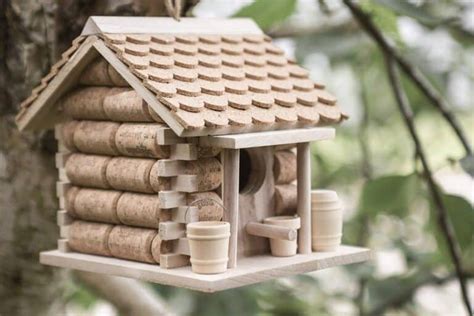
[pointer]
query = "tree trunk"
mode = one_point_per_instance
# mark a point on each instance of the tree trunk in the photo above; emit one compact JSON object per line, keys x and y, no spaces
{"x":27,"y":174}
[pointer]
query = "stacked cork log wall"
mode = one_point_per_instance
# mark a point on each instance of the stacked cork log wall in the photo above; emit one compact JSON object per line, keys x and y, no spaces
{"x":127,"y":187}
{"x":284,"y":171}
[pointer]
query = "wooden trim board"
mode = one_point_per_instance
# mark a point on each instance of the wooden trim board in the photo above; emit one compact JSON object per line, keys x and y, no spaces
{"x":250,"y":270}
{"x":269,"y":138}
{"x":164,"y":25}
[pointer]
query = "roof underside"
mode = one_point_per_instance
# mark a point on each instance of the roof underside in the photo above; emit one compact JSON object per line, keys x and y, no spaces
{"x":206,"y":84}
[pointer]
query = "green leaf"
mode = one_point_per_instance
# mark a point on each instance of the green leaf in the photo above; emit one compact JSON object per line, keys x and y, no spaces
{"x":266,"y":13}
{"x":391,"y":194}
{"x":467,"y":164}
{"x":461,"y":216}
{"x":383,"y":17}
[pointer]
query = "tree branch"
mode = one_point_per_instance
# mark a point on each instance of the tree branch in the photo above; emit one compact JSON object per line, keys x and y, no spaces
{"x":129,"y":296}
{"x":412,"y":72}
{"x":441,"y":212}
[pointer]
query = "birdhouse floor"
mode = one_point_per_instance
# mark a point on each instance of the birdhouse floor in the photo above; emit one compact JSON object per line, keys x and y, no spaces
{"x":249,"y":270}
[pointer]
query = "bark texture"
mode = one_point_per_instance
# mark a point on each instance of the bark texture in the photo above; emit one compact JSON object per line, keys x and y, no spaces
{"x":27,"y":174}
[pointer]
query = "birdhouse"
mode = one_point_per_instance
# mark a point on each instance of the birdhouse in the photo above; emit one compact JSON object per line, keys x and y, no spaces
{"x":184,"y":154}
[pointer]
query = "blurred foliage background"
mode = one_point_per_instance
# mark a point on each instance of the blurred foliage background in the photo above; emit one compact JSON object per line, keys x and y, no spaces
{"x":371,"y":163}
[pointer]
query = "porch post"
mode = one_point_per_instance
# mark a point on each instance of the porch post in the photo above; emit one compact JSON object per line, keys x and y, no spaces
{"x":231,"y":159}
{"x":304,"y":197}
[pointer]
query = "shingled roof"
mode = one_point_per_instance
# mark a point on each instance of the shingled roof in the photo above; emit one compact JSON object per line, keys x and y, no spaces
{"x":209,"y":80}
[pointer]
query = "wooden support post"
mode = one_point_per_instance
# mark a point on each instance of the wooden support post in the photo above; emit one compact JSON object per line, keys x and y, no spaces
{"x":231,"y":199}
{"x":304,"y":197}
{"x":271,"y":231}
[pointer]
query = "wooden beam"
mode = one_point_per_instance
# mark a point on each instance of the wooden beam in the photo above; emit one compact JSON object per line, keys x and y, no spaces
{"x":185,"y":183}
{"x":171,"y":230}
{"x":271,"y":231}
{"x":184,"y":152}
{"x":166,"y":136}
{"x":171,"y":199}
{"x":173,"y":260}
{"x":185,"y":214}
{"x":303,"y":157}
{"x":231,"y":199}
{"x":269,"y":138}
{"x":63,"y":218}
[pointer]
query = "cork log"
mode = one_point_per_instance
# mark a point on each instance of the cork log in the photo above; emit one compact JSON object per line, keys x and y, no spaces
{"x":70,"y":199}
{"x":208,"y":172}
{"x":125,"y":105}
{"x":159,"y":183}
{"x":209,"y":205}
{"x":96,"y":137}
{"x":136,"y":209}
{"x":88,"y":170}
{"x":100,"y":73}
{"x":89,"y":237}
{"x":139,"y":140}
{"x":67,"y":130}
{"x":132,"y":243}
{"x":286,"y":199}
{"x":130,"y":174}
{"x":85,"y":103}
{"x":284,"y":167}
{"x":97,"y":205}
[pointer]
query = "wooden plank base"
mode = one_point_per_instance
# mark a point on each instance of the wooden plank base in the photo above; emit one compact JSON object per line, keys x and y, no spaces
{"x":249,"y":270}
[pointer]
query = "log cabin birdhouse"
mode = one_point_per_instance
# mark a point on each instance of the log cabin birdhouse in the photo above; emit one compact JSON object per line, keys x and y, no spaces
{"x":163,"y":124}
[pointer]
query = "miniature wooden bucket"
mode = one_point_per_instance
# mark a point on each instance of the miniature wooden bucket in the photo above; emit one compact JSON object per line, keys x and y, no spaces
{"x":209,"y":246}
{"x":280,"y":247}
{"x":326,"y":220}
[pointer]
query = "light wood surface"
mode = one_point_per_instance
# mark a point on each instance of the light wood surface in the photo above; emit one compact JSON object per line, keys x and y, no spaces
{"x":271,"y":231}
{"x":250,"y":270}
{"x":231,"y":200}
{"x":164,"y":25}
{"x":269,"y":138}
{"x":304,"y":196}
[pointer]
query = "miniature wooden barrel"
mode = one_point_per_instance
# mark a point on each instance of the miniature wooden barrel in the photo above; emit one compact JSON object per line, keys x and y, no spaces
{"x":286,"y":199}
{"x":88,"y":170}
{"x":139,"y":140}
{"x":137,"y":209}
{"x":284,"y":167}
{"x":100,"y":73}
{"x":66,"y":131}
{"x":96,"y":137}
{"x":97,"y":205}
{"x":130,"y":174}
{"x":124,"y":105}
{"x":132,"y":243}
{"x":209,"y":205}
{"x":86,"y":103}
{"x":208,"y":172}
{"x":89,"y":237}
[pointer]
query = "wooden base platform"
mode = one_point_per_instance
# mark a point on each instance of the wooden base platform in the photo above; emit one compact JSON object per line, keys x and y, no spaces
{"x":248,"y":271}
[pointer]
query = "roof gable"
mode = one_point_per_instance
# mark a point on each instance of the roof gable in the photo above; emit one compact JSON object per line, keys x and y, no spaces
{"x":198,"y":84}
